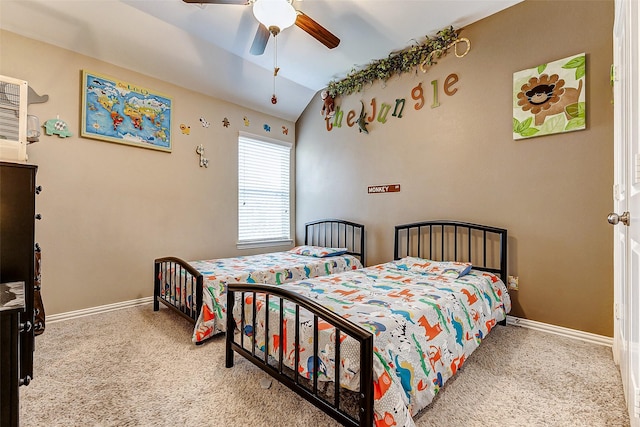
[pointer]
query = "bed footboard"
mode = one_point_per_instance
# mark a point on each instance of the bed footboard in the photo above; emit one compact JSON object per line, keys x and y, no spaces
{"x":348,"y":407}
{"x":177,"y":285}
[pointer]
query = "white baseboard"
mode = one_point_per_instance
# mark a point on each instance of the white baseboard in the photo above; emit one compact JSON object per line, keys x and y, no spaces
{"x":96,"y":310}
{"x":511,"y":320}
{"x":559,"y":330}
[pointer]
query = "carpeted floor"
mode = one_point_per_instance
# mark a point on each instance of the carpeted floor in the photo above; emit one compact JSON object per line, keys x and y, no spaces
{"x":134,"y":367}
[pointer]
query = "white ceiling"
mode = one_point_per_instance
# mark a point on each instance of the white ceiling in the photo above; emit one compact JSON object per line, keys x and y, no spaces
{"x":206,"y":47}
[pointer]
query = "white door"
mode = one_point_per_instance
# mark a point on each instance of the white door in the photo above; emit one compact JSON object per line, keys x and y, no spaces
{"x":626,"y":218}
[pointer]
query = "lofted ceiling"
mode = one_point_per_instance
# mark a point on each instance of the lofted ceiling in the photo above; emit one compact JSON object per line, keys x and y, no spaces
{"x":206,"y":47}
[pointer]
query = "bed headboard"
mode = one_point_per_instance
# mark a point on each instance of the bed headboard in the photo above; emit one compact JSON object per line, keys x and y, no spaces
{"x":484,"y":246}
{"x":336,"y":233}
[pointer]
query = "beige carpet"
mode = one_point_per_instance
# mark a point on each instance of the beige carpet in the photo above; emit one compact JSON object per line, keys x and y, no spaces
{"x":134,"y":367}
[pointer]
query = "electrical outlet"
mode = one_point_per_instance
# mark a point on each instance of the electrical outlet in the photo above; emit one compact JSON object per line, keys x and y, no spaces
{"x":513,"y":283}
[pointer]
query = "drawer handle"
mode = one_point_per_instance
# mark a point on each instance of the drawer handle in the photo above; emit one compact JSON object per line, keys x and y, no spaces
{"x":25,"y":327}
{"x":25,"y":381}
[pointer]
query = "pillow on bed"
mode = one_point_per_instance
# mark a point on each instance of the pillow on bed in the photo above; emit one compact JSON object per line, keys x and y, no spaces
{"x":318,"y":251}
{"x":452,"y":269}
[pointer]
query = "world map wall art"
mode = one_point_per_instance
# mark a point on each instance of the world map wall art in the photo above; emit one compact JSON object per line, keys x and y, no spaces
{"x":550,"y":98}
{"x":117,"y":111}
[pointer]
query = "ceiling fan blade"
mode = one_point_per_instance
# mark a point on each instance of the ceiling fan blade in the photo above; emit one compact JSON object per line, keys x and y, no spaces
{"x":316,"y":30}
{"x":260,"y":40}
{"x":217,"y":1}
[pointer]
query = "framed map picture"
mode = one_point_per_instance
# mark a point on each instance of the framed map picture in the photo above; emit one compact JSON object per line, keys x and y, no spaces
{"x":550,"y":98}
{"x":117,"y":111}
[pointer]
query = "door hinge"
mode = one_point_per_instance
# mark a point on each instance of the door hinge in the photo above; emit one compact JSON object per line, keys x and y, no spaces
{"x":613,"y":76}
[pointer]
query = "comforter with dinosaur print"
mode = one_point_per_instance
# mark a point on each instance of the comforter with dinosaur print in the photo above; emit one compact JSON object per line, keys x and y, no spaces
{"x":426,"y":317}
{"x":273,"y":268}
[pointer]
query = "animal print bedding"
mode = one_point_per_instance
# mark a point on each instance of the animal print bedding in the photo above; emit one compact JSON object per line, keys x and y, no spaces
{"x":274,"y":268}
{"x":424,"y":325}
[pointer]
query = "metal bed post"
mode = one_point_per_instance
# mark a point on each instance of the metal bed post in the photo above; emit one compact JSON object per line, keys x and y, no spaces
{"x":469,"y":242}
{"x":455,"y":243}
{"x":156,"y":287}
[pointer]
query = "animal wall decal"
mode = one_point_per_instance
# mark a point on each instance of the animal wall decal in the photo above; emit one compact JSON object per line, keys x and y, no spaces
{"x":57,"y":127}
{"x":328,"y":104}
{"x":550,"y":98}
{"x":204,"y":162}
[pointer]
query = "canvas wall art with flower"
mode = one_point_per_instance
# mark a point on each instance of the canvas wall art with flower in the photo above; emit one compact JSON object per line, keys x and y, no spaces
{"x":550,"y":98}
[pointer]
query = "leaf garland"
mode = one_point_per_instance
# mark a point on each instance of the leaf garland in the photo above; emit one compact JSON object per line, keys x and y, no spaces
{"x":396,"y":63}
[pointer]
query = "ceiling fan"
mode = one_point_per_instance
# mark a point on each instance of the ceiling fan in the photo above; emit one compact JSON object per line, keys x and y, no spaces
{"x":274,"y":16}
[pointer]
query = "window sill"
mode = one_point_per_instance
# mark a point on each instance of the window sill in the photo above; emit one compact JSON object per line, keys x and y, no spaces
{"x":264,"y":244}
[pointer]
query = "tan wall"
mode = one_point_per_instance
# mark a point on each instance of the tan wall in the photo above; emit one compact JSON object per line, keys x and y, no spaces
{"x":459,"y":161}
{"x":110,"y":209}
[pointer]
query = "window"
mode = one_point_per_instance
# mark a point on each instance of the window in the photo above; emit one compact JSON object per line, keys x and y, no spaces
{"x":264,"y":176}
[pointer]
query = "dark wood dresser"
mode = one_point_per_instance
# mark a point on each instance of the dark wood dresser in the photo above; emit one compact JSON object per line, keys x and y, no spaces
{"x":12,"y":305}
{"x":17,"y":264}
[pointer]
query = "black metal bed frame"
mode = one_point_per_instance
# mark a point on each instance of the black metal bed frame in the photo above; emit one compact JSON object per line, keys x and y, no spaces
{"x":337,"y":233}
{"x":188,"y":281}
{"x":294,"y":381}
{"x":483,"y":246}
{"x":409,"y":241}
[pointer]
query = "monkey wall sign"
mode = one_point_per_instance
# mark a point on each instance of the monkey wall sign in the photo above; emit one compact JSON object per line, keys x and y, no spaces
{"x":383,"y":112}
{"x":550,"y":98}
{"x":388,"y":188}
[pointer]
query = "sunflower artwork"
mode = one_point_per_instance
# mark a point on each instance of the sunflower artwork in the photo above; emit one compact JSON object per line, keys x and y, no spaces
{"x":550,"y":98}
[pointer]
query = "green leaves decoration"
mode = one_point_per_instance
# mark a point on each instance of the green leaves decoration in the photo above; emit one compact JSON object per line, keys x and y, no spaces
{"x":579,"y":64}
{"x":524,"y":128}
{"x":577,"y":114}
{"x":396,"y":63}
{"x":555,"y":124}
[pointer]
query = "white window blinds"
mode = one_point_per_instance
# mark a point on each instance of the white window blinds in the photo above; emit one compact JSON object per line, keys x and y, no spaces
{"x":264,"y":175}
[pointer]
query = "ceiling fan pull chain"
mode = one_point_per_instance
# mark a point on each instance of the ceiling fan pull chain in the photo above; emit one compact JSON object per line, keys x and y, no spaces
{"x":274,"y":98}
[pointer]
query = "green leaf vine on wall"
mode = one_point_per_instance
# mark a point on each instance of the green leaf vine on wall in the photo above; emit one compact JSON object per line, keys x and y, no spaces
{"x":419,"y":54}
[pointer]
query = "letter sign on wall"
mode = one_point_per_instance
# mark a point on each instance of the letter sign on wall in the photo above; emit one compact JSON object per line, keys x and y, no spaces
{"x":387,"y":188}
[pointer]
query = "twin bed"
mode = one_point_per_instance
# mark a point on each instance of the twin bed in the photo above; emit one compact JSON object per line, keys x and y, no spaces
{"x":400,"y":329}
{"x":196,"y":289}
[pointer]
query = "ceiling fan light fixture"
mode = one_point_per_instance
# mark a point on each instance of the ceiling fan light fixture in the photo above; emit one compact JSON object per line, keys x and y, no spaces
{"x":275,"y":13}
